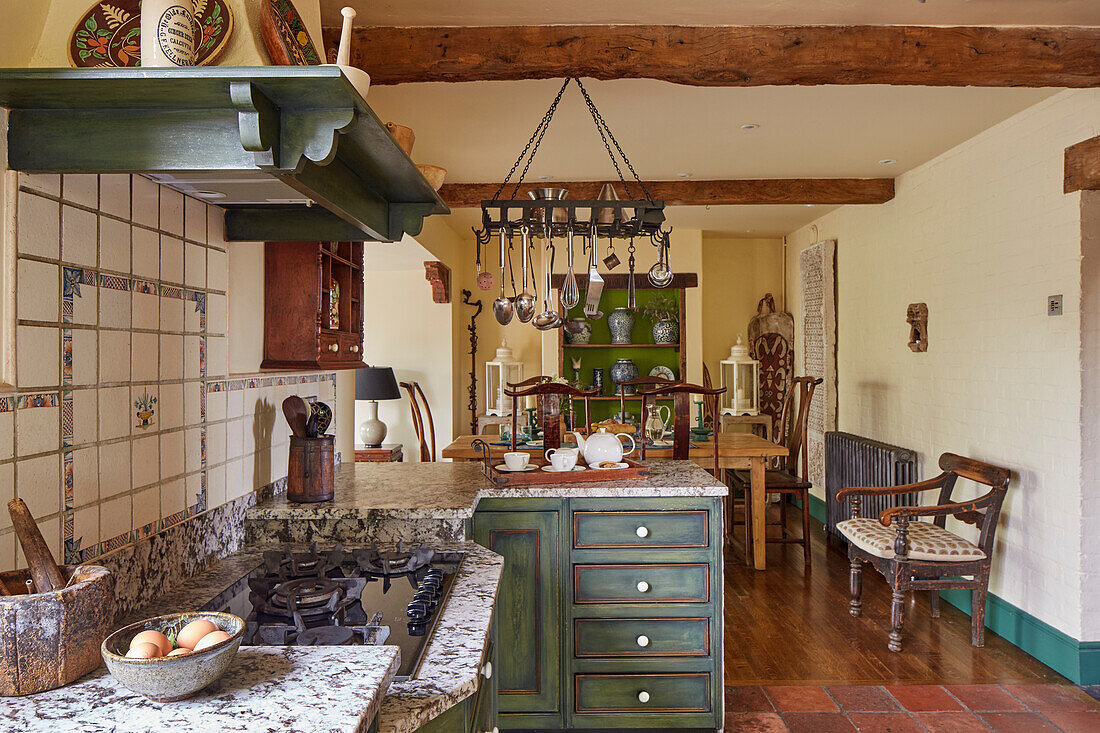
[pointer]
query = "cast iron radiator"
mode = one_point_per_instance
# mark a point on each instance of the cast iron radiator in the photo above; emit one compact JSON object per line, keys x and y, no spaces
{"x":852,"y":460}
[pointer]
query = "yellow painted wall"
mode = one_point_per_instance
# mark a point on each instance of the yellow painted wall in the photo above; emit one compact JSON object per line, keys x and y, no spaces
{"x":738,"y":273}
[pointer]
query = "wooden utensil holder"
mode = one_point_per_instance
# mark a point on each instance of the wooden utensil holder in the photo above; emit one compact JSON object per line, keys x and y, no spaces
{"x":50,"y":639}
{"x":311,"y":469}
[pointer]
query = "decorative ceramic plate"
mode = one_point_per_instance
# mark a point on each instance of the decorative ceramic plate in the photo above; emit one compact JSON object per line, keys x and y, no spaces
{"x":109,"y":34}
{"x":662,"y":371}
{"x":504,"y":467}
{"x":610,"y":468}
{"x":285,"y":35}
{"x":551,"y":469}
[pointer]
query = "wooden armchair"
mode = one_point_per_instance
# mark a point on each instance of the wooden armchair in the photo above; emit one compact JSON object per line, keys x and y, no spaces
{"x":922,"y":555}
{"x":681,"y":416}
{"x":639,"y":382}
{"x":549,"y":395}
{"x":426,"y":455}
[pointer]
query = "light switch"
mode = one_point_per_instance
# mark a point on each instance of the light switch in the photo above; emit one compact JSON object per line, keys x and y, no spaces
{"x":1054,"y":305}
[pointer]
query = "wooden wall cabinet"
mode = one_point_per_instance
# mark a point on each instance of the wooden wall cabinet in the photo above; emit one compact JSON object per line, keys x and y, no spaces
{"x":302,"y":330}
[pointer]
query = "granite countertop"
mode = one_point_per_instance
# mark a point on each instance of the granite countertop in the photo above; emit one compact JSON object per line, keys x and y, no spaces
{"x":452,"y":490}
{"x":266,"y":689}
{"x":273,"y":688}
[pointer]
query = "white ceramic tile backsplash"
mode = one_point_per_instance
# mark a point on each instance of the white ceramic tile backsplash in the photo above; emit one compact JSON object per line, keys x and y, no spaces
{"x":119,"y":427}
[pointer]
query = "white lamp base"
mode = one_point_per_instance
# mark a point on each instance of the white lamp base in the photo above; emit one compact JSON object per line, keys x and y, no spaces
{"x":372,"y":431}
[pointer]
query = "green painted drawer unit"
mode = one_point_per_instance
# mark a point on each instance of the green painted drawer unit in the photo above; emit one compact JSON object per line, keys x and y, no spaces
{"x":610,"y":612}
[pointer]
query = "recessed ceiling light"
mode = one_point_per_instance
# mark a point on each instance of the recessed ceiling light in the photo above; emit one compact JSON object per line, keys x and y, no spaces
{"x":807,"y":204}
{"x":209,"y":194}
{"x":887,"y":161}
{"x":683,"y":175}
{"x":749,"y":126}
{"x":545,"y":178}
{"x":749,"y":231}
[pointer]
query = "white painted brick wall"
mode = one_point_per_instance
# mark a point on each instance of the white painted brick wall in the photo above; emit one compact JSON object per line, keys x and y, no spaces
{"x":982,"y":234}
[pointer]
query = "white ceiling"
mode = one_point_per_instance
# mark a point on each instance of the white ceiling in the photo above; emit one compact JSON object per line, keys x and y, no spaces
{"x":477,"y":129}
{"x":717,"y":12}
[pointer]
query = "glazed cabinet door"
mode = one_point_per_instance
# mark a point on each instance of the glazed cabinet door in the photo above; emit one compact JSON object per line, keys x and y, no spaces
{"x":528,"y":614}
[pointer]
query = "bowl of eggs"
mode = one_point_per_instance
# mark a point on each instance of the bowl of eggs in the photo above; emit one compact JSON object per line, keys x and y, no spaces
{"x":172,"y":657}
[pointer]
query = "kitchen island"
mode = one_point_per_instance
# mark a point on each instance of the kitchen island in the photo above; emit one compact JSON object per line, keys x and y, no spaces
{"x":609,"y":613}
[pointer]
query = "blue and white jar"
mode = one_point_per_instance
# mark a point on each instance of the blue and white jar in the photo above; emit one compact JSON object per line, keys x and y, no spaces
{"x":666,"y":331}
{"x":621,"y":325}
{"x":623,"y":371}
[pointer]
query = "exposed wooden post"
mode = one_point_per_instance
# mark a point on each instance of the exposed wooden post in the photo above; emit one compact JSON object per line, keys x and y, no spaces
{"x":1082,"y":166}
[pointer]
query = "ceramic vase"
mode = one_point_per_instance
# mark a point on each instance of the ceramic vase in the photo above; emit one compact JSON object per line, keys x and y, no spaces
{"x":597,"y":380}
{"x":666,"y":331}
{"x":167,"y":33}
{"x":623,"y":371}
{"x":621,"y":325}
{"x":580,"y":337}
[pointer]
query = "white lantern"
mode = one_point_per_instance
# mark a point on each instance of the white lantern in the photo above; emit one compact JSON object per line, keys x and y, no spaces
{"x":740,"y":375}
{"x":503,"y":369}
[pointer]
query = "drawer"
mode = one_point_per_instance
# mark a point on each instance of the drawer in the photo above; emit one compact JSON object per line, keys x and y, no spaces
{"x":686,"y":583}
{"x":596,"y":530}
{"x":349,"y":345}
{"x":641,"y":637}
{"x":642,"y":693}
{"x":330,"y":348}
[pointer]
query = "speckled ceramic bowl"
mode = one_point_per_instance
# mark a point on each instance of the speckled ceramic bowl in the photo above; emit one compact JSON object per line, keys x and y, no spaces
{"x":167,"y":679}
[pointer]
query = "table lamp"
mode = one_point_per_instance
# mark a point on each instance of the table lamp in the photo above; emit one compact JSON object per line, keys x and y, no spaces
{"x":373,"y":384}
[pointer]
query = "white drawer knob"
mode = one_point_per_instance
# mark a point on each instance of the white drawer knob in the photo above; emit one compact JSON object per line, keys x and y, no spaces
{"x":643,"y":640}
{"x":354,"y":348}
{"x":642,"y":531}
{"x":643,"y":587}
{"x":487,"y":671}
{"x":334,"y":348}
{"x":643,"y":696}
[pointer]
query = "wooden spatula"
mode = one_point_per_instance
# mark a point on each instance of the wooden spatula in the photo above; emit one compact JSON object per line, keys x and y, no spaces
{"x":44,"y":571}
{"x":297,"y":412}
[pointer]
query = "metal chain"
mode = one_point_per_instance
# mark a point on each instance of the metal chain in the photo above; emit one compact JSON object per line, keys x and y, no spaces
{"x":540,"y":130}
{"x":601,"y":125}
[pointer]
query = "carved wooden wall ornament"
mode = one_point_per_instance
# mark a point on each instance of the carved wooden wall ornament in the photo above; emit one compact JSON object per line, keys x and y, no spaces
{"x":439,"y":275}
{"x":917,"y":316}
{"x":771,"y":342}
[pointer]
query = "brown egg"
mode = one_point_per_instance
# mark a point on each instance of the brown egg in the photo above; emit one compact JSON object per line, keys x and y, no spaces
{"x":143,"y":650}
{"x":153,"y":637}
{"x":190,"y":634}
{"x":214,"y":637}
{"x":181,"y":652}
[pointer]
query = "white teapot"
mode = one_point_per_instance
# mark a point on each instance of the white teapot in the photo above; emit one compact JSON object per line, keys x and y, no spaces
{"x":603,"y":446}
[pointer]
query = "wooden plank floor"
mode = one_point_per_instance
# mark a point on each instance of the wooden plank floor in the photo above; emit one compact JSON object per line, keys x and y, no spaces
{"x":787,"y":625}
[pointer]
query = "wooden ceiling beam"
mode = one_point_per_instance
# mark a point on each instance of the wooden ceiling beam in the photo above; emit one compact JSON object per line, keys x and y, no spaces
{"x":1054,"y":56}
{"x":699,"y":193}
{"x":1082,"y":166}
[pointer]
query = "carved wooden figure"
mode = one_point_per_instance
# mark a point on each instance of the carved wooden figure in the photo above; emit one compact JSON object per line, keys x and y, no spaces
{"x":771,"y":342}
{"x":917,"y":316}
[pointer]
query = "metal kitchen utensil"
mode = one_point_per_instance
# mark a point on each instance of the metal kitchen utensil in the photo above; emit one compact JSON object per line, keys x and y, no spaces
{"x":570,"y":293}
{"x":549,"y":194}
{"x":608,"y":216}
{"x":631,"y":300}
{"x":549,"y":318}
{"x":595,"y":282}
{"x":660,"y":275}
{"x":484,"y":279}
{"x":502,"y":307}
{"x":612,"y":259}
{"x":525,"y":301}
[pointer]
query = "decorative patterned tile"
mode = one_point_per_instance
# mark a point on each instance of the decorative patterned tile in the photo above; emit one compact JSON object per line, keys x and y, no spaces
{"x":145,"y":406}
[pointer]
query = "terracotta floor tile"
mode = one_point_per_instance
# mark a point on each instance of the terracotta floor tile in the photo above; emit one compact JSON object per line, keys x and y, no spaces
{"x":859,"y":698}
{"x":747,"y":699}
{"x":1018,"y":723}
{"x":816,"y":723}
{"x":1054,"y":698}
{"x":755,"y":723}
{"x":985,"y":698}
{"x":1076,"y":722}
{"x":884,"y":723}
{"x":924,"y":698}
{"x":801,"y":698}
{"x":950,"y":722}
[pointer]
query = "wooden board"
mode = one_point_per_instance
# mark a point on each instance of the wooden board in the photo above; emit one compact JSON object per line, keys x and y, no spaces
{"x":109,"y":33}
{"x":538,"y":477}
{"x":733,"y":55}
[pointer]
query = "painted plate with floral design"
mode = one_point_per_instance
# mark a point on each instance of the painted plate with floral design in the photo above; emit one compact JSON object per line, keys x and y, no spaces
{"x":662,"y":371}
{"x":109,"y":34}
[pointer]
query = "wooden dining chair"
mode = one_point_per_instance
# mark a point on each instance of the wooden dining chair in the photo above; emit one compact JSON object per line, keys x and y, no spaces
{"x":639,"y":382}
{"x":549,"y":395}
{"x":922,"y":555}
{"x":681,"y":393}
{"x":413,"y":388}
{"x":790,"y":475}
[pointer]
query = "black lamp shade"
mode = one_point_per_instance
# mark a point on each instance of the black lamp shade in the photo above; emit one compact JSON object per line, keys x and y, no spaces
{"x":376,"y":383}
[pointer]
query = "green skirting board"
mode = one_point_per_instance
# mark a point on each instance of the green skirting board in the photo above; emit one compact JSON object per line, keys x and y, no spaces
{"x":1077,"y":660}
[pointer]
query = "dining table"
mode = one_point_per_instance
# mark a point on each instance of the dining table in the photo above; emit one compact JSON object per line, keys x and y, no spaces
{"x":736,"y":451}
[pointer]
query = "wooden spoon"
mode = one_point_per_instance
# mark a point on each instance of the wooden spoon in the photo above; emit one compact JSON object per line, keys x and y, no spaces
{"x":297,"y":413}
{"x":47,"y":576}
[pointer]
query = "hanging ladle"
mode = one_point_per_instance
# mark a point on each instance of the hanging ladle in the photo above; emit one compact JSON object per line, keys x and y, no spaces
{"x":525,"y":302}
{"x":502,"y":307}
{"x":548,"y":319}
